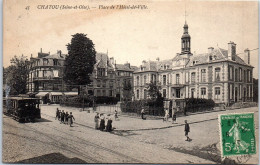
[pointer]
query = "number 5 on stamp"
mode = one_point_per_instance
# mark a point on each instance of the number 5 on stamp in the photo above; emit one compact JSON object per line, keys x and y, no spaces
{"x":237,"y":134}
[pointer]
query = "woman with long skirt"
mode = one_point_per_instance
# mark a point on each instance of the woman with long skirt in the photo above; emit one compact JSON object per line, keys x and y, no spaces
{"x":102,"y":122}
{"x":70,"y":117}
{"x":109,"y":123}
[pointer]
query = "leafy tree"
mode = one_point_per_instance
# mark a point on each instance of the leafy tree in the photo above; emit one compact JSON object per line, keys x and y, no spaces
{"x":80,"y":61}
{"x":153,"y":90}
{"x":127,"y":91}
{"x":155,"y":94}
{"x":16,"y":76}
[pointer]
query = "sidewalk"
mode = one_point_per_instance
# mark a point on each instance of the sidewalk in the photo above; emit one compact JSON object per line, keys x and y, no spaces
{"x":126,"y":123}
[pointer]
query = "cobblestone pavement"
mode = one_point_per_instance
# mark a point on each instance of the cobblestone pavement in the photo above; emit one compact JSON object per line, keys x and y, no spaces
{"x":135,"y":139}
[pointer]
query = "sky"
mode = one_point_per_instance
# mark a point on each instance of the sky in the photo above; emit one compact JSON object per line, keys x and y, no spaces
{"x":130,"y":35}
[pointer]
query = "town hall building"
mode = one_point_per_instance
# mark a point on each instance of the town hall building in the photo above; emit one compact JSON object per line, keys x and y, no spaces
{"x":220,"y":74}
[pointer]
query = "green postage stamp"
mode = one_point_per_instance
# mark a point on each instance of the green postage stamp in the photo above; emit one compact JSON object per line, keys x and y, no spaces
{"x":237,"y":134}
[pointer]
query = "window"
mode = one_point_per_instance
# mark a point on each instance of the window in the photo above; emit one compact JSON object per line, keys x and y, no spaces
{"x":245,"y":76}
{"x":104,"y":92}
{"x":98,"y":92}
{"x":164,"y":92}
{"x":145,"y":94}
{"x":110,"y":93}
{"x":193,"y":77}
{"x":231,"y":92}
{"x":236,"y":75}
{"x":240,"y":74}
{"x":192,"y":92}
{"x":177,"y":79}
{"x":231,"y":73}
{"x":203,"y":92}
{"x":55,"y":62}
{"x":178,"y":93}
{"x":164,"y":79}
{"x":203,"y":75}
{"x":98,"y":83}
{"x":104,"y":84}
{"x":101,"y":71}
{"x":249,"y":76}
{"x":144,"y":79}
{"x":137,"y":94}
{"x":137,"y":79}
{"x":217,"y":93}
{"x":45,"y":61}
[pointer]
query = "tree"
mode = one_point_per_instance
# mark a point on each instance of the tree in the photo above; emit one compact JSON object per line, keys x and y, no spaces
{"x":16,"y":76}
{"x":127,"y":91}
{"x":80,"y":61}
{"x":155,"y":94}
{"x":153,"y":90}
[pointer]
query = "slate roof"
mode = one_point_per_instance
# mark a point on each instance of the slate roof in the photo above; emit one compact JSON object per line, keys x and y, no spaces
{"x":124,"y":67}
{"x":56,"y":56}
{"x":103,"y":61}
{"x":217,"y":54}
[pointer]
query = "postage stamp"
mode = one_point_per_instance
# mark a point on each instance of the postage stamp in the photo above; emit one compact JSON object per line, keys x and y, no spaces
{"x":237,"y":134}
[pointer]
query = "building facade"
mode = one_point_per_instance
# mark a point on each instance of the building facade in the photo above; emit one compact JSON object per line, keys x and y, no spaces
{"x":45,"y":78}
{"x":220,"y":74}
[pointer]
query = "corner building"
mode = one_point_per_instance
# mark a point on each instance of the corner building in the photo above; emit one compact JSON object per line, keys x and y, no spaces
{"x":220,"y":74}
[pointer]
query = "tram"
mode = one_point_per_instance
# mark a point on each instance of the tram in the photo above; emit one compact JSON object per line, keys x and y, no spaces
{"x":22,"y":108}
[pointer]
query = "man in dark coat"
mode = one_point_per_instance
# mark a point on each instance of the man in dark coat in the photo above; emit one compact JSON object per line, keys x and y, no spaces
{"x":62,"y":116}
{"x":57,"y":113}
{"x":187,"y":130}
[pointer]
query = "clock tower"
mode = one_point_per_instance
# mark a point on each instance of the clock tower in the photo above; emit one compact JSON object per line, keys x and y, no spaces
{"x":185,"y":40}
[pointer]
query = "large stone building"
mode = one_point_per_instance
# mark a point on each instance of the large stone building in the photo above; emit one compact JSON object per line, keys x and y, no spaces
{"x":220,"y":74}
{"x":46,"y":74}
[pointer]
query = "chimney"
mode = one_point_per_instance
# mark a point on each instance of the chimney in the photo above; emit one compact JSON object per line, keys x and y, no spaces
{"x":127,"y":64}
{"x":41,"y":50}
{"x":247,"y":56}
{"x":210,"y":49}
{"x":158,"y":59}
{"x":112,"y":60}
{"x":231,"y":50}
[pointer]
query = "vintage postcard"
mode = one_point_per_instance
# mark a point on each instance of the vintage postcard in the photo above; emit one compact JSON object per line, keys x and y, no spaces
{"x":112,"y":81}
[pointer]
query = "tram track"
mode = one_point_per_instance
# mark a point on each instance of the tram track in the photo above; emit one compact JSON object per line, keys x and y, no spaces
{"x":83,"y":141}
{"x":72,"y":139}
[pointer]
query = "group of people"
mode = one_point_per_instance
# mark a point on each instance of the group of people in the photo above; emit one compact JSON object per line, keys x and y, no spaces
{"x":103,"y":122}
{"x":64,"y":118}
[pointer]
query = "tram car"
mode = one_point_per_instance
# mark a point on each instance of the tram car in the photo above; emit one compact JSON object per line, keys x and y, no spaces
{"x":22,"y":108}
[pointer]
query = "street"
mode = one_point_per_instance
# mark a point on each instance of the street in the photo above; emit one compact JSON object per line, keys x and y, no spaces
{"x":133,"y":140}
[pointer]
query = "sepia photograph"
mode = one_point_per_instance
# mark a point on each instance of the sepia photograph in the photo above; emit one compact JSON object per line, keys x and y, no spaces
{"x":130,"y":81}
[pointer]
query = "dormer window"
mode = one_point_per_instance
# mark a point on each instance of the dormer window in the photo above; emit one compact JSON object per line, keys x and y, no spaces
{"x":210,"y":58}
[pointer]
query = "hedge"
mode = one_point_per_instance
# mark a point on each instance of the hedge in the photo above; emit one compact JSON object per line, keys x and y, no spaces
{"x":198,"y":104}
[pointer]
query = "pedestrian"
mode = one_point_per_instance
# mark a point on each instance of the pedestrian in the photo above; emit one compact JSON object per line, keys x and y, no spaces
{"x":57,"y":113}
{"x":70,"y":119}
{"x":116,"y":117}
{"x":62,"y":117}
{"x":96,"y":120}
{"x":66,"y":117}
{"x":166,"y":116}
{"x":173,"y":115}
{"x":109,"y":123}
{"x":187,"y":130}
{"x":142,"y":113}
{"x":102,"y":122}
